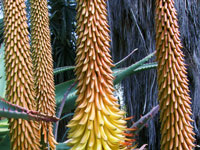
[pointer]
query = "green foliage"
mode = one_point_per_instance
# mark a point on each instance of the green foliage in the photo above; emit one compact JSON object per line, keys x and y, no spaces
{"x":62,"y":146}
{"x":3,"y":129}
{"x":60,"y":91}
{"x":129,"y":70}
{"x":67,"y":115}
{"x":63,"y":69}
{"x":147,"y":66}
{"x":5,"y":144}
{"x":4,"y":132}
{"x":2,"y":72}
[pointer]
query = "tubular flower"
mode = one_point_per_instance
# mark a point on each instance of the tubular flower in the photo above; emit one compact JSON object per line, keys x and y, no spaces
{"x":19,"y":75}
{"x":176,"y":129}
{"x":43,"y":66}
{"x":98,"y":122}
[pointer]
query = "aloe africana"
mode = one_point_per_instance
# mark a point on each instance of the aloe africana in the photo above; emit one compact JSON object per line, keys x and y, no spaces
{"x":43,"y":66}
{"x":175,"y":111}
{"x":20,"y":84}
{"x":98,"y":122}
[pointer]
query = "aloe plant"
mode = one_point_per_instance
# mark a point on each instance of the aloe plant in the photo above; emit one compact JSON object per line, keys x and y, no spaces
{"x":176,"y":129}
{"x":94,"y":76}
{"x":70,"y":101}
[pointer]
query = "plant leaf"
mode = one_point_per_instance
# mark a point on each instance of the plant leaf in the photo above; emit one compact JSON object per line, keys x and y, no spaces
{"x":67,"y":115}
{"x":60,"y":91}
{"x":9,"y":110}
{"x":5,"y":143}
{"x":62,"y":146}
{"x":129,"y":70}
{"x":140,"y":124}
{"x":3,"y":128}
{"x":62,"y":69}
{"x":4,"y":132}
{"x":2,"y":72}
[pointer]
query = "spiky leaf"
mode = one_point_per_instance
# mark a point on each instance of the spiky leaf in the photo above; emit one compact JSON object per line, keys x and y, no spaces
{"x":9,"y":110}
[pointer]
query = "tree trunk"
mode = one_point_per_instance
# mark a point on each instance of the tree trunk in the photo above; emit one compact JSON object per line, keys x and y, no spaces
{"x":132,"y":26}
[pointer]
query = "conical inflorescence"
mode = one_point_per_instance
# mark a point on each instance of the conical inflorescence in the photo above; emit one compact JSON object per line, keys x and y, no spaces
{"x":19,"y":75}
{"x":43,"y":66}
{"x":176,"y":129}
{"x":98,"y":122}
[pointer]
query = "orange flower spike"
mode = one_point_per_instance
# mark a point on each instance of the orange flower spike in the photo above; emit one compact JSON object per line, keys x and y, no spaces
{"x":98,"y":122}
{"x":43,"y":66}
{"x":20,"y":83}
{"x":176,"y":129}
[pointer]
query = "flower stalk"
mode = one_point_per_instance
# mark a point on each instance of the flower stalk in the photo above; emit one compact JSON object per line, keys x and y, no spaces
{"x":43,"y":67}
{"x":19,"y":75}
{"x":175,"y":111}
{"x":98,"y":122}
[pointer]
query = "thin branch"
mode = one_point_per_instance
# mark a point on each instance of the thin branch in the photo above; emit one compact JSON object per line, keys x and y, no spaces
{"x":133,"y":15}
{"x":125,"y":58}
{"x":62,"y":106}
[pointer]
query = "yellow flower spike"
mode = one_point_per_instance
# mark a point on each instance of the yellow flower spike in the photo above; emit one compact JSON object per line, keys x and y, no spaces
{"x":43,"y":66}
{"x":98,"y":122}
{"x":20,"y":83}
{"x":175,"y":111}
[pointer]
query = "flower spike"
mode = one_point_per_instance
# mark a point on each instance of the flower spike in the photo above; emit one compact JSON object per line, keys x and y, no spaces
{"x":176,"y":129}
{"x":98,"y":123}
{"x":43,"y":66}
{"x":20,"y":83}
